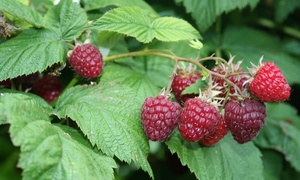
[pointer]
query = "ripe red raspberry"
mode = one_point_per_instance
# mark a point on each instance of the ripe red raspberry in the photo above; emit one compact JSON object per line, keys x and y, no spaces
{"x":86,"y":61}
{"x":236,"y":79}
{"x":244,"y":119}
{"x":215,"y":137}
{"x":269,"y":84}
{"x":159,"y":117}
{"x":48,"y":87}
{"x":182,"y":80}
{"x":198,"y":119}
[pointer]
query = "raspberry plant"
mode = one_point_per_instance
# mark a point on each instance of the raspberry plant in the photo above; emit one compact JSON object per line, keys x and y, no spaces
{"x":114,"y":111}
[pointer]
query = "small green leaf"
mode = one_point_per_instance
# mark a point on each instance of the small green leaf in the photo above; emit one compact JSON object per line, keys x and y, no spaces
{"x":205,"y":12}
{"x":139,"y":82}
{"x":67,"y":18}
{"x":144,"y":26}
{"x":194,"y":88}
{"x":96,"y":4}
{"x":225,"y":160}
{"x":17,"y":9}
{"x":109,"y":115}
{"x":31,"y":51}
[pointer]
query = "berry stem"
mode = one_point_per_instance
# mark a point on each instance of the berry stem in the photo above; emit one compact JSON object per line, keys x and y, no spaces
{"x":172,"y":77}
{"x":175,"y":58}
{"x":73,"y":82}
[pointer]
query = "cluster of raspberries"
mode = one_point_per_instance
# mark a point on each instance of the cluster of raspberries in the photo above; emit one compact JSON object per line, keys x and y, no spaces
{"x":202,"y":121}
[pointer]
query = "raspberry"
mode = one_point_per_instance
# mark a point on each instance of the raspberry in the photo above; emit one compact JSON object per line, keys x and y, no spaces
{"x":159,"y":117}
{"x":269,"y":84}
{"x":86,"y":61}
{"x":182,"y":80}
{"x":215,"y":137}
{"x":245,"y":119}
{"x":198,"y":119}
{"x":48,"y":87}
{"x":25,"y":82}
{"x":236,"y":79}
{"x":5,"y":84}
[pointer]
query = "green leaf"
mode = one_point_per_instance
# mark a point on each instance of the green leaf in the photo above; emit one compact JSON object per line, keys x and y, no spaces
{"x":273,"y":164}
{"x":17,"y":9}
{"x":250,"y":45}
{"x":109,"y":115}
{"x":282,"y":137}
{"x":31,"y":51}
{"x":140,"y":83}
{"x":205,"y":12}
{"x":96,"y":4}
{"x":67,"y":18}
{"x":225,"y":160}
{"x":283,"y":112}
{"x":144,"y":26}
{"x":48,"y":151}
{"x":283,"y":8}
{"x":194,"y":88}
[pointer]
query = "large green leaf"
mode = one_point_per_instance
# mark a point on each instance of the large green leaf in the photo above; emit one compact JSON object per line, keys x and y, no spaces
{"x":67,"y":18}
{"x":205,"y":12}
{"x":139,"y":82}
{"x":225,"y":160}
{"x":17,"y":9}
{"x":282,"y":137}
{"x":41,"y":102}
{"x":31,"y":51}
{"x":283,"y":8}
{"x":109,"y":115}
{"x":281,"y":132}
{"x":250,"y":45}
{"x":51,"y":151}
{"x":96,"y":4}
{"x":273,"y":164}
{"x":144,"y":26}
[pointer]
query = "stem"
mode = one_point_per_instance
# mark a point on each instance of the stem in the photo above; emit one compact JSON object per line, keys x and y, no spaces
{"x":72,"y":82}
{"x":172,"y":77}
{"x":286,"y":29}
{"x":175,"y":58}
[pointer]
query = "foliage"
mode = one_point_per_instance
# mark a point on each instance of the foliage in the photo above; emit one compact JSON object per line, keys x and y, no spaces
{"x":94,"y":131}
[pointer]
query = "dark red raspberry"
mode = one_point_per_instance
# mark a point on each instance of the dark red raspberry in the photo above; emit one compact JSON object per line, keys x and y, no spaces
{"x":6,"y":83}
{"x":269,"y":84}
{"x":25,"y":82}
{"x":182,"y":80}
{"x":159,"y":117}
{"x":215,"y":137}
{"x":245,"y":119}
{"x":198,"y":119}
{"x":236,"y":79}
{"x":86,"y":61}
{"x":48,"y":87}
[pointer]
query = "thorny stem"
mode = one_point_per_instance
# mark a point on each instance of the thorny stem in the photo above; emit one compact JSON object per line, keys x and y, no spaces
{"x":175,"y":58}
{"x":172,"y":77}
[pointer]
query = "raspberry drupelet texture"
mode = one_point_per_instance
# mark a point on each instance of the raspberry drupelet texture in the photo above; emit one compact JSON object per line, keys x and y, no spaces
{"x":87,"y":61}
{"x":48,"y":87}
{"x":198,"y":119}
{"x":159,"y":117}
{"x":245,"y":119}
{"x":215,"y":137}
{"x":181,"y":81}
{"x":269,"y":84}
